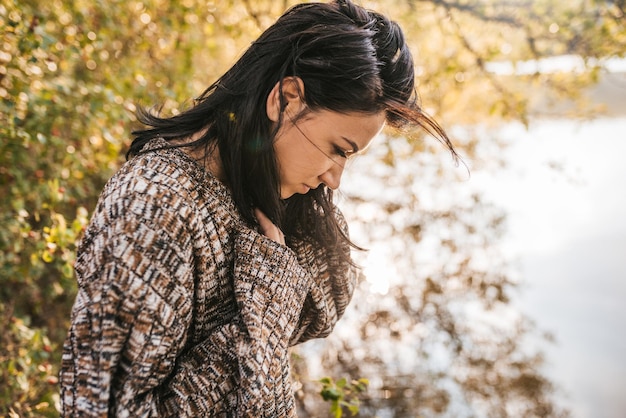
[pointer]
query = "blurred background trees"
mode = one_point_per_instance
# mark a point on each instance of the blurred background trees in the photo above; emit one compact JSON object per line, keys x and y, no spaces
{"x":72,"y":73}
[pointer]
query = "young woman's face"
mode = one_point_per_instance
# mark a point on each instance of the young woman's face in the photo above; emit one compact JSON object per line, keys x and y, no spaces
{"x":315,"y":148}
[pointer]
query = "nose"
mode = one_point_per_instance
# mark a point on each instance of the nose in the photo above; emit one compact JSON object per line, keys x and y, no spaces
{"x":332,"y":177}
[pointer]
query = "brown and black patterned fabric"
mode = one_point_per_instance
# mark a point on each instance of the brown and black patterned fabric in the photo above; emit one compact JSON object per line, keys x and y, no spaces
{"x":182,"y":309}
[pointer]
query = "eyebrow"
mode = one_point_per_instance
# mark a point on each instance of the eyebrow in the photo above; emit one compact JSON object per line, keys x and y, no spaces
{"x":355,"y":148}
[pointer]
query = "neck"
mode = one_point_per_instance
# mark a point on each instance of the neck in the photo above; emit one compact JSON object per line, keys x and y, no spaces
{"x":207,"y":156}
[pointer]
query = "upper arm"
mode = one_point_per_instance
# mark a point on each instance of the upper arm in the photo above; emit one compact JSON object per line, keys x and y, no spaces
{"x":134,"y":306}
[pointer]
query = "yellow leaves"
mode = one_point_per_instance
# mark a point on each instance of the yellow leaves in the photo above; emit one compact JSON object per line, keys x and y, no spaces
{"x":60,"y":239}
{"x":81,"y":219}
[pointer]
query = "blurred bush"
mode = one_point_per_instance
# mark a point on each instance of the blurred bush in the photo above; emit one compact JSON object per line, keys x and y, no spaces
{"x":65,"y":68}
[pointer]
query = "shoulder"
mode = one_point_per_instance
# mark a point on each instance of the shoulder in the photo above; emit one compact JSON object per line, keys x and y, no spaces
{"x":162,"y":188}
{"x":169,"y":176}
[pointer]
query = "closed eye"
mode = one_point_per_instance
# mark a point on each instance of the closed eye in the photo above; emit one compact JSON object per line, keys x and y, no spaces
{"x":343,"y":153}
{"x":340,"y":152}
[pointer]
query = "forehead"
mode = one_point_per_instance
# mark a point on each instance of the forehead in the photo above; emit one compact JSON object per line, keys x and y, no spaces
{"x":359,"y":128}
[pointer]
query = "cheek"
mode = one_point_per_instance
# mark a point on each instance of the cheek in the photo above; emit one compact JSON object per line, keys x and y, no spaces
{"x":297,"y":161}
{"x":289,"y":164}
{"x":297,"y":169}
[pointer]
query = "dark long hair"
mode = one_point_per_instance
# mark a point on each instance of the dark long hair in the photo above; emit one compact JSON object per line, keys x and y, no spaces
{"x":349,"y":59}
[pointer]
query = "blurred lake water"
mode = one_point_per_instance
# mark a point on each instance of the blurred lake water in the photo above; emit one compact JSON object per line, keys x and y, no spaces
{"x":563,"y":188}
{"x":560,"y":184}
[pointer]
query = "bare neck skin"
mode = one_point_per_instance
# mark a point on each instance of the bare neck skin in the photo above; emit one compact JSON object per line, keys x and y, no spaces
{"x":208,"y":157}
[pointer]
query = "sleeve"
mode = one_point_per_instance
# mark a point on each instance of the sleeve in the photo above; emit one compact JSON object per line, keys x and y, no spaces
{"x":243,"y":368}
{"x":334,"y":279}
{"x":133,"y":309}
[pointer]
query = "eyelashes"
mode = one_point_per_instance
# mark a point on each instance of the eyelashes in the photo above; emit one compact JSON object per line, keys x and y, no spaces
{"x":340,"y":152}
{"x":343,"y":153}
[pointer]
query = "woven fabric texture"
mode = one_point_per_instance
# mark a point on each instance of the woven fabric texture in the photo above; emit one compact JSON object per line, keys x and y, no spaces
{"x":182,"y":309}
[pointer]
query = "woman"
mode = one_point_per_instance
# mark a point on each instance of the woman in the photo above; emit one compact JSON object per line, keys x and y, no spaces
{"x":217,"y":245}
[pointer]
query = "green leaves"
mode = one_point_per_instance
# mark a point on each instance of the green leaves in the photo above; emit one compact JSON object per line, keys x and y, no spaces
{"x":342,"y":394}
{"x":27,"y":373}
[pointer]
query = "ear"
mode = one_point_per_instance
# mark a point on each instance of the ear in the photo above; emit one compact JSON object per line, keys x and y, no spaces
{"x":293,"y":95}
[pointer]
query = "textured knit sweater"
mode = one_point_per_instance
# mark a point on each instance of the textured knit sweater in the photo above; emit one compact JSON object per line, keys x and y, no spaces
{"x":183,"y":310}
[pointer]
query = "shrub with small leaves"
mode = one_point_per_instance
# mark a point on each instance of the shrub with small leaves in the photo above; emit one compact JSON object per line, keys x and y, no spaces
{"x":343,"y":394}
{"x":27,"y":376}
